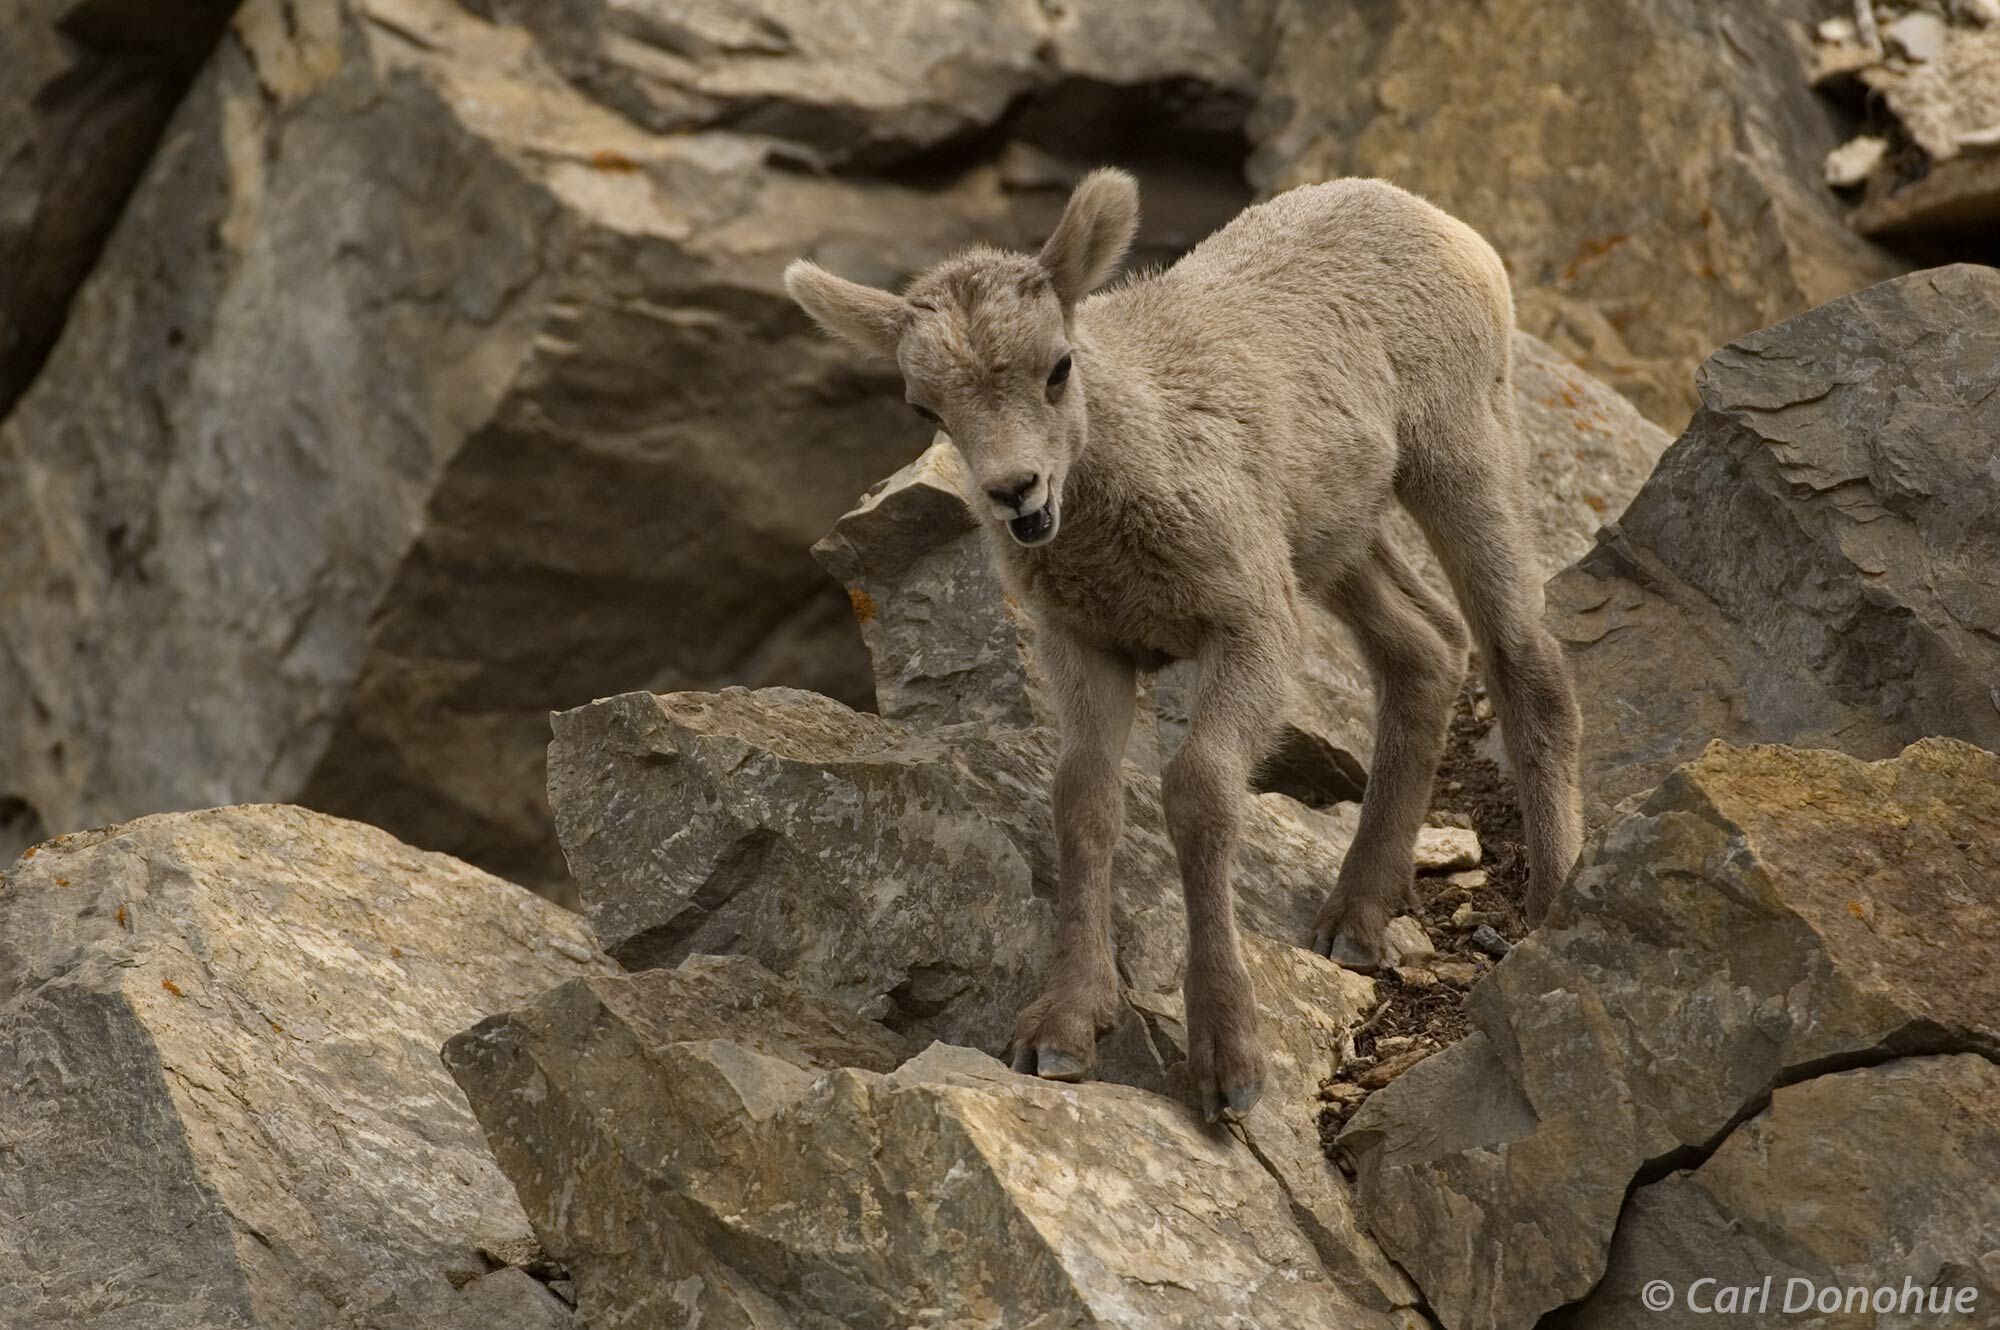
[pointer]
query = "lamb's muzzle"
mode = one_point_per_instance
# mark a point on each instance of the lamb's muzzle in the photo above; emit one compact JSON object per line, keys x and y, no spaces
{"x":1036,"y":528}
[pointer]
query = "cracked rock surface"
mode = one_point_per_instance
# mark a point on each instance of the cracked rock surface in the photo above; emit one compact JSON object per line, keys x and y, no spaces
{"x":1765,"y":916}
{"x":788,"y":1167}
{"x":220,"y":1100}
{"x":1812,"y":562}
{"x":1783,"y":1200}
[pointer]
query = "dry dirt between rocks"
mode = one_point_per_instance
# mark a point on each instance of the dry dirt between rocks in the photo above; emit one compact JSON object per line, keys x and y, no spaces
{"x":1422,"y":1006}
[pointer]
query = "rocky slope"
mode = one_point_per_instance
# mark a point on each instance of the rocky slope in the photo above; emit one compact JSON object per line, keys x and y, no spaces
{"x":1756,"y":1038}
{"x":440,"y":344}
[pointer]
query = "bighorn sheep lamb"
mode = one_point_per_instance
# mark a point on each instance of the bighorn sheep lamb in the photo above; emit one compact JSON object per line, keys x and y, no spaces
{"x":1172,"y":468}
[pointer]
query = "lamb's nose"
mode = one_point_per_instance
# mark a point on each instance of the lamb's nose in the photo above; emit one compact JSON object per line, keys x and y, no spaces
{"x":1013,"y":493}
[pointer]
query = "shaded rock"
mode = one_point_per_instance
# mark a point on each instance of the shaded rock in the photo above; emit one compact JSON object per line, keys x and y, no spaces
{"x":867,"y":861}
{"x":85,"y":89}
{"x":1948,"y":106}
{"x":1919,"y":1138}
{"x":1764,"y":915}
{"x":911,"y":82}
{"x":1662,"y":185}
{"x":775,"y":1186}
{"x":1958,"y":196}
{"x":219,"y":1088}
{"x":420,"y":379}
{"x":1946,"y":96}
{"x":947,"y":642}
{"x":509,"y":1298}
{"x":949,"y":646}
{"x":1843,"y":596}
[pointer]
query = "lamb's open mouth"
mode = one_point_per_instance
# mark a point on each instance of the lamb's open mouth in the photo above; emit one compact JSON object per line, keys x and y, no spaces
{"x":1037,"y":526}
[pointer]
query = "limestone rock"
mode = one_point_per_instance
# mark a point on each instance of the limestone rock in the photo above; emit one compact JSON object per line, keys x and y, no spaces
{"x":1765,"y":914}
{"x":777,"y":1186}
{"x":85,"y":89}
{"x":911,"y":79}
{"x":1948,"y":106}
{"x":912,"y":873}
{"x":1918,"y":1137}
{"x":948,"y":645}
{"x":1662,"y":186}
{"x":423,"y":389}
{"x":219,"y":1088}
{"x":1844,"y":595}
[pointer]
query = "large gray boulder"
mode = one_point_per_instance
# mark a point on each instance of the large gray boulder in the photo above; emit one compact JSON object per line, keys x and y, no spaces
{"x":1765,"y":915}
{"x":85,"y":89}
{"x":909,"y":876}
{"x":1813,"y":561}
{"x":423,"y":391}
{"x":784,"y":1165}
{"x":1649,"y":169}
{"x":219,"y":1085}
{"x":1770,"y":1220}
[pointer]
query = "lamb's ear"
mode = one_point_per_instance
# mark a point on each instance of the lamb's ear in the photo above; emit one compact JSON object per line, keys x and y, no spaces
{"x":871,"y":319}
{"x":1095,"y":231}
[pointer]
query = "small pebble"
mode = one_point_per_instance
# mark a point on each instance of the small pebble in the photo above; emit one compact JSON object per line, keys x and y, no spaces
{"x":1389,"y":1069}
{"x":1443,"y":849}
{"x":1415,"y":976}
{"x":1467,"y":880}
{"x":1487,"y":940}
{"x":1343,"y":1093}
{"x":1467,"y":917}
{"x":1393,"y":1043}
{"x":1459,"y":974}
{"x":1406,"y":942}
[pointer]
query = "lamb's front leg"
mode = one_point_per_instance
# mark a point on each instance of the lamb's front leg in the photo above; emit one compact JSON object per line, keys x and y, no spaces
{"x":1241,"y":684}
{"x":1056,"y":1036}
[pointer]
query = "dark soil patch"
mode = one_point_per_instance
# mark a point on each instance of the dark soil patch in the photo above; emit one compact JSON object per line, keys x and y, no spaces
{"x":1423,"y":1010}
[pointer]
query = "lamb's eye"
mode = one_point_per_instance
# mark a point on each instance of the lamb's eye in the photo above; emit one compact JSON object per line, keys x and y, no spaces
{"x":1060,"y":374}
{"x":926,"y":413}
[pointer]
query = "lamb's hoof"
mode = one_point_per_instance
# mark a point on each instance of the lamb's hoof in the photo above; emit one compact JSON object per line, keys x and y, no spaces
{"x":1344,"y":950}
{"x":1052,"y":1064}
{"x":1231,"y":1105}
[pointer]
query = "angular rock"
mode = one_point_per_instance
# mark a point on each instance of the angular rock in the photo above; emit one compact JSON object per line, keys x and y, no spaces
{"x":422,"y":391}
{"x":892,"y":871}
{"x":85,"y":89}
{"x":948,"y":645}
{"x":916,"y":79}
{"x":218,"y":1077}
{"x":724,"y":1168}
{"x":1948,"y":99}
{"x":1919,"y":1138}
{"x":1662,"y":186}
{"x":1844,"y":594}
{"x":1764,"y":915}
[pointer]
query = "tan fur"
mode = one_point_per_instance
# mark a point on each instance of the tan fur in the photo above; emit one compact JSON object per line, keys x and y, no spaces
{"x":1233,"y":431}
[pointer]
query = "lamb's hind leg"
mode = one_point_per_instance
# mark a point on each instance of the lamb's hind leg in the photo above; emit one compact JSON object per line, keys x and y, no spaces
{"x":1470,"y":498}
{"x":1415,"y":648}
{"x":1056,"y":1036}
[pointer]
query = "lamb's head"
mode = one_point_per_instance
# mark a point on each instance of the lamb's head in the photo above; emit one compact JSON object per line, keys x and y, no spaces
{"x":984,"y":342}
